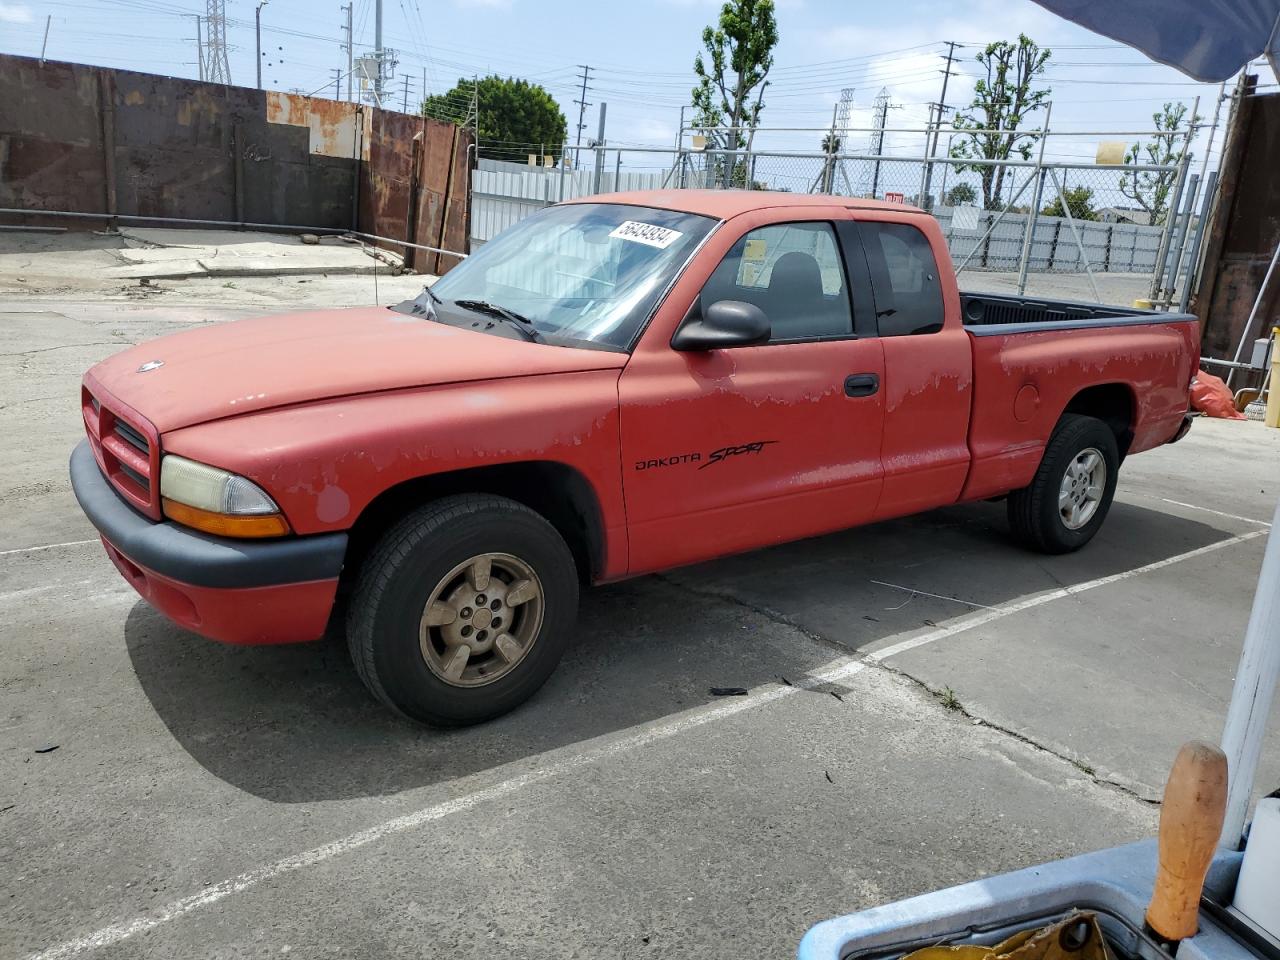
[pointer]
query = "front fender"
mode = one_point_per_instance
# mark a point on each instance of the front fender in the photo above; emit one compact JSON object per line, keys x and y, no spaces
{"x":324,"y":462}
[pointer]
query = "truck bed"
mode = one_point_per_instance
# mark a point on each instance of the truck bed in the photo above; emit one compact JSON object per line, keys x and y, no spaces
{"x":989,"y":314}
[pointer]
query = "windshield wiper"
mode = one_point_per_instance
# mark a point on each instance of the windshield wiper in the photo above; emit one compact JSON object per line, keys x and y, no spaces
{"x":520,"y":322}
{"x":432,"y":294}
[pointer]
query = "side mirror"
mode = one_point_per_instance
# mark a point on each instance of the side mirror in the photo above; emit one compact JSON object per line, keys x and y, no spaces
{"x":725,"y":323}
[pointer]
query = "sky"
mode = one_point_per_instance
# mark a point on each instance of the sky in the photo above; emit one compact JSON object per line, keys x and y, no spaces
{"x":641,"y":55}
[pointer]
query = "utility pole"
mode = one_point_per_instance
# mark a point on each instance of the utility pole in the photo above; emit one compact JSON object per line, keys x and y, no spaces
{"x":404,"y":104}
{"x":941,"y":106}
{"x":598,"y":143}
{"x":424,"y":93}
{"x":337,"y":83}
{"x":377,"y":49}
{"x":199,"y":46}
{"x":257,"y":36}
{"x":216,"y":67}
{"x":582,"y":111}
{"x":348,"y":48}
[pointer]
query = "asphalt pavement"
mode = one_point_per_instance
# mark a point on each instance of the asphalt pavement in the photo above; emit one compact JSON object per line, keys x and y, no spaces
{"x":927,"y":704}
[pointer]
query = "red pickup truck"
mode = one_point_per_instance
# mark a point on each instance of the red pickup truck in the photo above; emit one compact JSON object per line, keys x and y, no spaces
{"x":613,"y":386}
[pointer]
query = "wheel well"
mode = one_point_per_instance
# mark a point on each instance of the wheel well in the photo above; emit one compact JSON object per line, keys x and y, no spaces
{"x":1113,"y":404}
{"x":558,"y":492}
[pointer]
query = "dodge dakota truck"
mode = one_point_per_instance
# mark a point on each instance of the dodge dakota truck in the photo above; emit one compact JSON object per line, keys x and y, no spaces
{"x":613,"y":386}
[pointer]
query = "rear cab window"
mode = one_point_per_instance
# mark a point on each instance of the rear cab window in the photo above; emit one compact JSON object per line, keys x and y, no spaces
{"x":905,"y":279}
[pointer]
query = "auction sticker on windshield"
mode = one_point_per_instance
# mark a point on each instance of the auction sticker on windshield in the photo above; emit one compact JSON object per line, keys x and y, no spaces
{"x":646,"y":233}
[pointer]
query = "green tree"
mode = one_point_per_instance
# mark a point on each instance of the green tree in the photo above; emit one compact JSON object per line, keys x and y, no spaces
{"x":732,"y":77}
{"x":961,"y":194}
{"x":1002,"y":102}
{"x":1150,"y":189}
{"x":512,"y":117}
{"x":1079,"y":203}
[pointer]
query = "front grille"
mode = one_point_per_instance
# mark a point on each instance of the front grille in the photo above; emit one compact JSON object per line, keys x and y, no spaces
{"x":127,"y":451}
{"x":133,"y":437}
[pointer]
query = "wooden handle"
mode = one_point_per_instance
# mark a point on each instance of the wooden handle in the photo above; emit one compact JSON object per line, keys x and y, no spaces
{"x":1195,"y":801}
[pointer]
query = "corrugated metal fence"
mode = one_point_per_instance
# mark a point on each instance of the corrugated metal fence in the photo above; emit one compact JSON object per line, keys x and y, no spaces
{"x":82,"y":139}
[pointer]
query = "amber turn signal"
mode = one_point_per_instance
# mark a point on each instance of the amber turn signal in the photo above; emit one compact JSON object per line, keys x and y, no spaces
{"x":251,"y":526}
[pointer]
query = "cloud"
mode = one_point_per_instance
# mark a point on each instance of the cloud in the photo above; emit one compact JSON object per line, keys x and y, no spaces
{"x":14,"y":13}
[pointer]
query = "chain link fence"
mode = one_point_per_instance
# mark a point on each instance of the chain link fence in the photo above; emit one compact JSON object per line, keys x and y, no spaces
{"x":1067,"y":230}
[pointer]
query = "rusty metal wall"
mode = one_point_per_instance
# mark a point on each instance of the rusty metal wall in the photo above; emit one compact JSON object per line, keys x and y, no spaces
{"x":91,"y":139}
{"x":1243,"y":230}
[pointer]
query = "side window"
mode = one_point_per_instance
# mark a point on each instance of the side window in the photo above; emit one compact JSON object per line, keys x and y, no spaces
{"x":791,"y":271}
{"x":904,"y":276}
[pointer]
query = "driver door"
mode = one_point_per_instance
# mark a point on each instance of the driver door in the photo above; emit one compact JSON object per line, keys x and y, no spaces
{"x":730,"y":449}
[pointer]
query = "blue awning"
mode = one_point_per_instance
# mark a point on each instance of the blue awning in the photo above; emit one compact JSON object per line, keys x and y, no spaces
{"x":1206,"y":39}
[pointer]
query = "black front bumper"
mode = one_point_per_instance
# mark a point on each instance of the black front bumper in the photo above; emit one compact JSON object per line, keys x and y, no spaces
{"x":198,"y":559}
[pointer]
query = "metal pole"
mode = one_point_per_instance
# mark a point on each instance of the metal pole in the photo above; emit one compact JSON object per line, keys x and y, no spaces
{"x":1254,"y":690}
{"x":257,"y":38}
{"x":1171,"y":214}
{"x":617,"y":173}
{"x":1217,"y":109}
{"x":1175,"y":261}
{"x":994,"y":223}
{"x":1028,"y":235}
{"x":1253,"y":313}
{"x":1025,"y":259}
{"x":45,"y":42}
{"x":1071,"y":222}
{"x":199,"y":47}
{"x":377,"y":49}
{"x":946,"y":169}
{"x":350,"y":52}
{"x":1193,"y":261}
{"x":921,"y":200}
{"x":600,"y":148}
{"x":337,"y":83}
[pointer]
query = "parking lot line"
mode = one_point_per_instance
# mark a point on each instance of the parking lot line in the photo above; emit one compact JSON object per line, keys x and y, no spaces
{"x":759,"y":696}
{"x":48,"y":546}
{"x":1216,"y":513}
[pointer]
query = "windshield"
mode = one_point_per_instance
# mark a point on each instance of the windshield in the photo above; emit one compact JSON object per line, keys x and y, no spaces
{"x":583,"y":272}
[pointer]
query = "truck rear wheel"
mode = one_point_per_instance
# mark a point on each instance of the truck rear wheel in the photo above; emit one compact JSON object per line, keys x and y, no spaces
{"x":463,"y":610}
{"x":1068,"y":500}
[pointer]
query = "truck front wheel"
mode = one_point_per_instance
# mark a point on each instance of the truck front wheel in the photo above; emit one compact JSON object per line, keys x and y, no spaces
{"x":1068,"y":499}
{"x":463,"y":610}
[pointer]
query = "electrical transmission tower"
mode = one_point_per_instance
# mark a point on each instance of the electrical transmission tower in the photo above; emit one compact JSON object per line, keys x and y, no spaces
{"x":877,"y":137}
{"x":216,"y":67}
{"x":842,"y":132}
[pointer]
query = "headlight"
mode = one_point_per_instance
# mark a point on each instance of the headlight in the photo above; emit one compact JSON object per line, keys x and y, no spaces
{"x":215,"y":501}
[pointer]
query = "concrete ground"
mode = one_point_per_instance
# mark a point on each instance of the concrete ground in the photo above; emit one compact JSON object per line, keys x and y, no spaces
{"x":927,"y":704}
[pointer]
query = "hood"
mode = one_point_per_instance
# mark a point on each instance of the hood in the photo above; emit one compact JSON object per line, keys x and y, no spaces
{"x":229,"y":369}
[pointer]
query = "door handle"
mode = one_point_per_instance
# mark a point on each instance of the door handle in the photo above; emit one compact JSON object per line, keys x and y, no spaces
{"x":861,"y":384}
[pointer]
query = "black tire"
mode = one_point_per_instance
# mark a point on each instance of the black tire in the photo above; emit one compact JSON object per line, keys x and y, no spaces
{"x":1034,"y":514}
{"x":396,"y":582}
